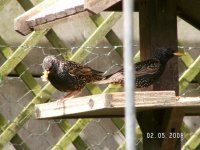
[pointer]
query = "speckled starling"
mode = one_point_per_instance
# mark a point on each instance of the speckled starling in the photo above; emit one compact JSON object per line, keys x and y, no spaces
{"x":68,"y":76}
{"x":146,"y":72}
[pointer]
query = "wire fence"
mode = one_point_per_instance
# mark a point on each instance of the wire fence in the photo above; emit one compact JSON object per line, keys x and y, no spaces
{"x":22,"y":88}
{"x":44,"y":134}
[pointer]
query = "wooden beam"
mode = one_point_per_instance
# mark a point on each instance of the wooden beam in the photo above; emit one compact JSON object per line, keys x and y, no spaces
{"x":114,"y":7}
{"x":112,"y":104}
{"x":55,"y":13}
{"x":20,"y":24}
{"x":21,"y":52}
{"x":49,"y":24}
{"x":47,"y":14}
{"x":189,"y":11}
{"x":96,"y":6}
{"x":189,"y":75}
{"x":171,"y":124}
{"x":157,"y":20}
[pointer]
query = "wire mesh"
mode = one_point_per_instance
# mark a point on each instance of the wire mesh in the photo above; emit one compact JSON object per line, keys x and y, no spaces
{"x":15,"y":99}
{"x":44,"y":134}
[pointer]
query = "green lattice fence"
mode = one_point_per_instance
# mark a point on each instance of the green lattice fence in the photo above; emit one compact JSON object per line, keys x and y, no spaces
{"x":19,"y":132}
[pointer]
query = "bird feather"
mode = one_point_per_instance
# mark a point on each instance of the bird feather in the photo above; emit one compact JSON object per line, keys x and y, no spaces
{"x":143,"y":69}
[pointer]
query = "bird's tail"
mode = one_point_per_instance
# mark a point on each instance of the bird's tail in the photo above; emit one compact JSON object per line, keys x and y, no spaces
{"x":115,"y":78}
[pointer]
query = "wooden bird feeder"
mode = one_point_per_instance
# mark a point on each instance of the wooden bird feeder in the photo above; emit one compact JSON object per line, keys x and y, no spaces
{"x":158,"y":110}
{"x":113,"y":105}
{"x":51,"y":12}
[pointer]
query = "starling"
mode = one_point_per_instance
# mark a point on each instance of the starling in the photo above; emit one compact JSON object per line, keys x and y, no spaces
{"x":68,"y":76}
{"x":146,"y":72}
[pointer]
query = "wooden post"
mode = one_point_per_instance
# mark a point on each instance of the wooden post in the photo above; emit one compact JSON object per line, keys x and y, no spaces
{"x":158,"y":29}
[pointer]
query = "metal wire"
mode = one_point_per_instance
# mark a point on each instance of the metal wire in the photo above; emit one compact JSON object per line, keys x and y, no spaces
{"x":46,"y":133}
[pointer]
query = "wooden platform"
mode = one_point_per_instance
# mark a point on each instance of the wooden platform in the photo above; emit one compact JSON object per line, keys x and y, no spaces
{"x":50,"y":12}
{"x":112,"y":105}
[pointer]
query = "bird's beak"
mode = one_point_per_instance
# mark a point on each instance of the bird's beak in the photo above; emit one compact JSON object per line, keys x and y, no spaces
{"x":179,"y":54}
{"x":45,"y":76}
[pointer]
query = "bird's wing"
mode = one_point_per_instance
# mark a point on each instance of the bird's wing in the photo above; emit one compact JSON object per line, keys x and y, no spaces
{"x":147,"y":67}
{"x":81,"y":71}
{"x":78,"y":69}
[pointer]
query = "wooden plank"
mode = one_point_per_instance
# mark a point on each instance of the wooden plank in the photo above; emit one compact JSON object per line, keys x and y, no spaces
{"x":60,"y":9}
{"x":99,"y":6}
{"x":53,"y":21}
{"x":20,"y":69}
{"x":171,"y":124}
{"x":189,"y":75}
{"x":189,"y":11}
{"x":158,"y":33}
{"x":112,"y":104}
{"x":96,"y":7}
{"x":188,"y":61}
{"x":20,"y":24}
{"x":21,"y":52}
{"x":193,"y":142}
{"x":158,"y":28}
{"x":46,"y":12}
{"x":193,"y":111}
{"x":114,"y":7}
{"x":80,"y":124}
{"x":17,"y":141}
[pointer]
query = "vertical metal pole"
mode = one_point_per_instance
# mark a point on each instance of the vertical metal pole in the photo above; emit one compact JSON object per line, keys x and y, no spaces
{"x":129,"y":74}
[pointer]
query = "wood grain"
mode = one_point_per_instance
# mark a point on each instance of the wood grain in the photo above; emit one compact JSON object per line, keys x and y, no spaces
{"x":20,"y":24}
{"x":99,"y":6}
{"x":44,"y":15}
{"x":112,"y":104}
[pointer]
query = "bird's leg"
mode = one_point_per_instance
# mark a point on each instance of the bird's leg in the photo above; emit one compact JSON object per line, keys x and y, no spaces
{"x":73,"y":94}
{"x":69,"y":96}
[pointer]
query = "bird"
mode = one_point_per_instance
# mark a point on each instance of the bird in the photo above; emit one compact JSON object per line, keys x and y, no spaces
{"x":69,"y":76}
{"x":148,"y":71}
